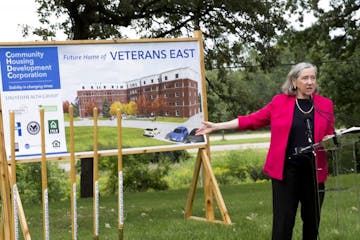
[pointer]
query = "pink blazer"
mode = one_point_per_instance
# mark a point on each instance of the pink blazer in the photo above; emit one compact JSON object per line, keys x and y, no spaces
{"x":279,"y":115}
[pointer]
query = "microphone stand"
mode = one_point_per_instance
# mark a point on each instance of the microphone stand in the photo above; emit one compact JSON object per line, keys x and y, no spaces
{"x":314,"y":169}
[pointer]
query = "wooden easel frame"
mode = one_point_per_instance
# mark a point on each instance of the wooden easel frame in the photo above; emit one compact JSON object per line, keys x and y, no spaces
{"x":203,"y":160}
{"x":8,"y":171}
{"x":210,"y":187}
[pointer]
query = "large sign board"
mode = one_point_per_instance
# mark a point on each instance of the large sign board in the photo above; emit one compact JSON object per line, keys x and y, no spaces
{"x":154,"y":78}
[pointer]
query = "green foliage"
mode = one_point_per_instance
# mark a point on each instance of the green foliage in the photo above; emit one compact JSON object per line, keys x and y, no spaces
{"x":105,"y":109}
{"x":341,"y":82}
{"x":336,"y":33}
{"x":109,"y":169}
{"x":332,"y":43}
{"x":30,"y":185}
{"x":236,"y":93}
{"x":180,"y":174}
{"x":142,"y":172}
{"x":144,"y":177}
{"x":235,"y":167}
{"x":230,"y":167}
{"x":230,"y":27}
{"x":76,"y":109}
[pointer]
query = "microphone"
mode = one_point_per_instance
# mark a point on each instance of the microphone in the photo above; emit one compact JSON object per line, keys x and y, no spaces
{"x":335,"y":140}
{"x":307,"y":119}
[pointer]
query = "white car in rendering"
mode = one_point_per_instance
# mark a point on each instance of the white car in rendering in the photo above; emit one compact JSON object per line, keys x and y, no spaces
{"x":151,"y":132}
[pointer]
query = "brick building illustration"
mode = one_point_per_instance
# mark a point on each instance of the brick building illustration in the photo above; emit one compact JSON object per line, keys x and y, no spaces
{"x":178,"y":90}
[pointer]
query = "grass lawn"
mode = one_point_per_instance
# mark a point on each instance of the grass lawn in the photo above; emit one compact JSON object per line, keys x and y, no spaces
{"x":160,"y":215}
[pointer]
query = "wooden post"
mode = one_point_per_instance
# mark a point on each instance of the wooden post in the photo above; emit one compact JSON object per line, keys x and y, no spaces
{"x":5,"y":225}
{"x":14,"y":192}
{"x":18,"y":211}
{"x":45,"y":198}
{"x":193,"y":184}
{"x":215,"y":187}
{"x":209,"y":200}
{"x":21,"y":215}
{"x":96,"y":177}
{"x":73,"y":176}
{"x":209,"y":204}
{"x":6,"y":228}
{"x":120,"y":178}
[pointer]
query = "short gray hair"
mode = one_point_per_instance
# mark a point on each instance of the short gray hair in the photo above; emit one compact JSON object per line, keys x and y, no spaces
{"x":294,"y":73}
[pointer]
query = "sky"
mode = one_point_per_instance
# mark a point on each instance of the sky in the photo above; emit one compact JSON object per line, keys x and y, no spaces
{"x":13,"y":13}
{"x":18,"y":12}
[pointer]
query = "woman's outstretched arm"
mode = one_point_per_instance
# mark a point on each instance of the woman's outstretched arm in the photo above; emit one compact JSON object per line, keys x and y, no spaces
{"x":209,"y":127}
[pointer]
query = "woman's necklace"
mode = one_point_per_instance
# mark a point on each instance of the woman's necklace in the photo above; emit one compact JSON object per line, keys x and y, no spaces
{"x":304,"y":112}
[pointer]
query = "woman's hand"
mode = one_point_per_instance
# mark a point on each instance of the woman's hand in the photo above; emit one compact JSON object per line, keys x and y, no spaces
{"x":207,"y":127}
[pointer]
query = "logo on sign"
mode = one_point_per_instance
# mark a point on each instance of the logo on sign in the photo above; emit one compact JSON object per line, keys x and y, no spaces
{"x":53,"y":126}
{"x":18,"y":129}
{"x":33,"y":128}
{"x":56,"y":144}
{"x":16,"y":147}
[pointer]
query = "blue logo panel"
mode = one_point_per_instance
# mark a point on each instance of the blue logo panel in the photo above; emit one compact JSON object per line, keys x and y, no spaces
{"x":35,"y":68}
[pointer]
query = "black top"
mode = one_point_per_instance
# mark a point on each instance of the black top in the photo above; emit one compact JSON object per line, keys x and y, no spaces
{"x":299,"y":132}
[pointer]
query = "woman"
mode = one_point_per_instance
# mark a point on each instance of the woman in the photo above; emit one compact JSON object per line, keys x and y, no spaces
{"x":298,"y":117}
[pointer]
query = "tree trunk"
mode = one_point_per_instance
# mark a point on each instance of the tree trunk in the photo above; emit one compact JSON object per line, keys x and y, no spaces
{"x":86,"y":178}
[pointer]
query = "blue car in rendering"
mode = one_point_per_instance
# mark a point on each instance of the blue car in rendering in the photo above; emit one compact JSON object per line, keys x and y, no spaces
{"x":178,"y":134}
